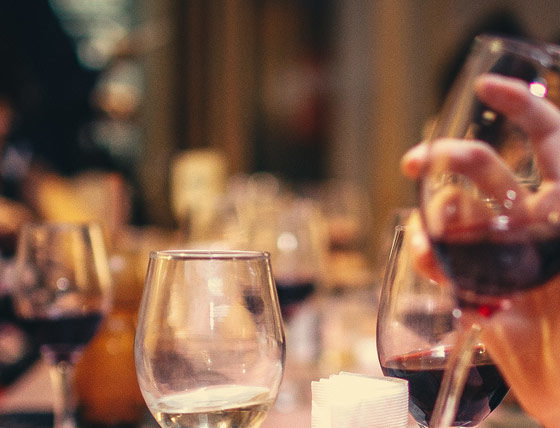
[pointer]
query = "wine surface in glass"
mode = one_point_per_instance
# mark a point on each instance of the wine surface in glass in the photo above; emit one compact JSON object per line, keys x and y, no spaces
{"x":62,"y":337}
{"x":292,"y":294}
{"x":484,"y":269}
{"x":484,"y":389}
{"x":231,"y":406}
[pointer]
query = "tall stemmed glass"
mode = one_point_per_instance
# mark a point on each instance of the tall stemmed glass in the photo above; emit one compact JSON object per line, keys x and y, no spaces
{"x":209,"y":345}
{"x":62,"y":291}
{"x":298,"y":247}
{"x":487,"y":197}
{"x":416,"y":331}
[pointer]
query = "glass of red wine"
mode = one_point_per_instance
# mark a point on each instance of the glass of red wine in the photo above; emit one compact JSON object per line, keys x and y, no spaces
{"x":416,"y":332}
{"x":488,"y":197}
{"x":293,"y":231}
{"x":209,"y":346}
{"x":61,"y":292}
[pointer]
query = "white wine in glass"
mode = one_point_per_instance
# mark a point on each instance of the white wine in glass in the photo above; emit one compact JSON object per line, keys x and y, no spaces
{"x":209,"y":346}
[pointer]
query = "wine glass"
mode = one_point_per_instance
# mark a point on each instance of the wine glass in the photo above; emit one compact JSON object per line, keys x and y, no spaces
{"x":209,"y":347}
{"x":416,"y":331}
{"x":294,"y":232}
{"x":486,"y":198}
{"x":62,"y":292}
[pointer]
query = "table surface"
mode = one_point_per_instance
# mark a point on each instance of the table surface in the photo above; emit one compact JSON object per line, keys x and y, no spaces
{"x":32,"y":395}
{"x":355,"y":352}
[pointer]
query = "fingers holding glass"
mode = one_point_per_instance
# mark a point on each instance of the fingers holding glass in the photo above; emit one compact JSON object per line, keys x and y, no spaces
{"x":524,"y":104}
{"x":489,"y":187}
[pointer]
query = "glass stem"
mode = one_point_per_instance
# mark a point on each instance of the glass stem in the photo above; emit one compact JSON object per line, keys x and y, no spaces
{"x":62,"y":378}
{"x":454,"y":378}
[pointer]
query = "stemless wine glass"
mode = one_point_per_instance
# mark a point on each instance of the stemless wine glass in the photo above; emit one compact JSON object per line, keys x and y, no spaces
{"x":485,"y":197}
{"x":62,"y":292}
{"x":209,"y":346}
{"x":416,"y":331}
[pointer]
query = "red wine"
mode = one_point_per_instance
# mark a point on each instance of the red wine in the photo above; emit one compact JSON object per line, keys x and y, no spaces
{"x":291,"y":294}
{"x":484,"y":389}
{"x":62,"y":337}
{"x":431,"y":326}
{"x":484,"y":268}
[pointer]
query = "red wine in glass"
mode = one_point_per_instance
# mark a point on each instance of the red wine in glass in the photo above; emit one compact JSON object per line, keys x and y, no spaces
{"x":488,"y":209}
{"x":292,"y":294}
{"x":512,"y":255}
{"x":417,"y":338}
{"x":432,"y":326}
{"x":484,"y":389}
{"x":63,"y":338}
{"x":483,"y":273}
{"x":61,"y":290}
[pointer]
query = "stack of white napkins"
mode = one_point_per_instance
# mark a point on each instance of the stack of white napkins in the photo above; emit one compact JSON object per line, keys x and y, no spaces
{"x":352,"y":400}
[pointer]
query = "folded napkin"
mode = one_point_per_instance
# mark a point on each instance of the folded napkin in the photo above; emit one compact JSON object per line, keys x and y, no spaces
{"x":357,"y":401}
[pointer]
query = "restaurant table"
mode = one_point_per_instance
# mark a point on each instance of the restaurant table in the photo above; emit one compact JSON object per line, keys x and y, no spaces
{"x":330,"y":334}
{"x":27,"y":405}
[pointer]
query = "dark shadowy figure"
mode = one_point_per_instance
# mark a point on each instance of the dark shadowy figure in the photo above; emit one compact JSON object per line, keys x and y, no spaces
{"x":46,"y":87}
{"x":45,"y":109}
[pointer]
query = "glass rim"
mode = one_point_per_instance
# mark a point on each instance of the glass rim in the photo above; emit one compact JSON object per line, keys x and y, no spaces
{"x":521,"y":45}
{"x":59,"y":225}
{"x":179,"y":254}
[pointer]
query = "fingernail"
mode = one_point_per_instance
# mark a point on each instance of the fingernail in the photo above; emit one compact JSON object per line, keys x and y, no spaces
{"x":413,"y":160}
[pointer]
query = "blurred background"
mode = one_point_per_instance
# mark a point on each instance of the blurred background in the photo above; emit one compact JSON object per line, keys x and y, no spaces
{"x":307,"y":90}
{"x":269,"y":124}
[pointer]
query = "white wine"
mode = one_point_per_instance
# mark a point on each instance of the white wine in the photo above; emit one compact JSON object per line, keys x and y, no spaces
{"x":227,"y":406}
{"x":242,"y":416}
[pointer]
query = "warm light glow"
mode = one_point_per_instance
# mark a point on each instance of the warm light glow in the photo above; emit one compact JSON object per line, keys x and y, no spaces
{"x":287,"y":242}
{"x":489,"y":116}
{"x":216,"y":286}
{"x":438,"y":352}
{"x":511,"y":194}
{"x":538,"y":89}
{"x":496,"y":46}
{"x":63,"y":284}
{"x":554,"y":217}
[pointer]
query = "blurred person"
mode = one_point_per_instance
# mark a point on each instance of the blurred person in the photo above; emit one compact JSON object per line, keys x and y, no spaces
{"x":45,"y":109}
{"x":13,"y":214}
{"x":47,"y":85}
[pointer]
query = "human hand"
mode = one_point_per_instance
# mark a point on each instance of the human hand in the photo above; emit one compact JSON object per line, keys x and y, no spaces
{"x":523,"y":340}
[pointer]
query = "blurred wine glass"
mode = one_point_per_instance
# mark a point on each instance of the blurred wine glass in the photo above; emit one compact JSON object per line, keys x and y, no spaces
{"x":294,"y":233}
{"x":209,"y":346}
{"x":416,"y":331}
{"x":62,"y":292}
{"x":198,"y":180}
{"x":106,"y":383}
{"x":347,"y":210}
